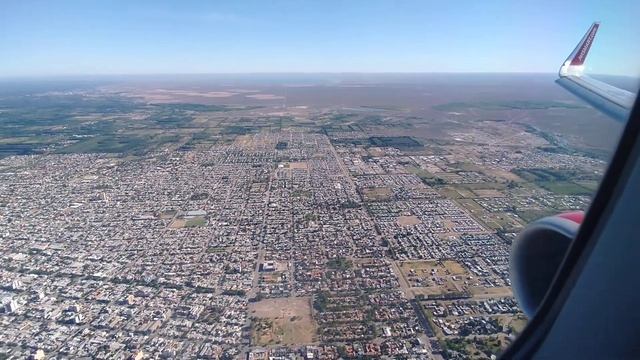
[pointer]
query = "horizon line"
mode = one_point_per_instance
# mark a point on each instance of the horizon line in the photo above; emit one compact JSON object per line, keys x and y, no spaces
{"x":87,"y":76}
{"x":123,"y":76}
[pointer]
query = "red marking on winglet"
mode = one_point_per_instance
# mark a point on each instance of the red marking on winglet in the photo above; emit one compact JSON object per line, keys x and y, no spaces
{"x":576,"y":216}
{"x":581,"y":53}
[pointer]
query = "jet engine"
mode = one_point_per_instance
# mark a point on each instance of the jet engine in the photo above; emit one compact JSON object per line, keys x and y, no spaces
{"x":536,"y":256}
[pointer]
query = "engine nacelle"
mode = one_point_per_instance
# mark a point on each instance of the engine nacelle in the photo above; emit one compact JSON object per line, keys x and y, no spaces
{"x":536,"y":256}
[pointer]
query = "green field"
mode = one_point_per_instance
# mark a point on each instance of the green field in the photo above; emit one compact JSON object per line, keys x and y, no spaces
{"x":76,"y":123}
{"x":532,"y":215}
{"x":195,"y":222}
{"x":502,"y":221}
{"x":107,"y":144}
{"x":589,"y":185}
{"x":421,"y":173}
{"x":482,"y":186}
{"x":505,"y":105}
{"x":562,"y":182}
{"x":565,"y":188}
{"x":452,"y":193}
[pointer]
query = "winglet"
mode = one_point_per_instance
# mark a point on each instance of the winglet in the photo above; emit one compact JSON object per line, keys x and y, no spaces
{"x":574,"y":65}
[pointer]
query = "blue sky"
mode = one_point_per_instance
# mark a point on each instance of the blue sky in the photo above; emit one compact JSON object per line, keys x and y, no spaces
{"x":151,"y":37}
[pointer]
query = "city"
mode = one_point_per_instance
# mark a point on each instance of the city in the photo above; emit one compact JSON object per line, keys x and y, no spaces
{"x":271,"y":232}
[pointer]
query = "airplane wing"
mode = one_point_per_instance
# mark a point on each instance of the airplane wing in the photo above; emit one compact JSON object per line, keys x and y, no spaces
{"x":609,"y":99}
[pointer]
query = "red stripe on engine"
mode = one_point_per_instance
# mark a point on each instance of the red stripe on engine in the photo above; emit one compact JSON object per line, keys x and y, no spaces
{"x":576,"y":216}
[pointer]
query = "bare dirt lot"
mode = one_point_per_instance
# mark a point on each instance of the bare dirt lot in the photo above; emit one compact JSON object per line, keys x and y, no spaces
{"x":376,"y":151}
{"x":377,"y":194}
{"x":284,"y":321}
{"x":298,"y":165}
{"x":177,"y":223}
{"x":454,"y":268}
{"x":408,"y":220}
{"x":488,"y":193}
{"x":429,"y":277}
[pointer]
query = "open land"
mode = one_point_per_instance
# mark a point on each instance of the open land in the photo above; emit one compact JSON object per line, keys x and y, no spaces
{"x":285,"y":321}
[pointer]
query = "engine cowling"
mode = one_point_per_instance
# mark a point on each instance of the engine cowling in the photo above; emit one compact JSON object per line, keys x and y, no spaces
{"x":536,"y":256}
